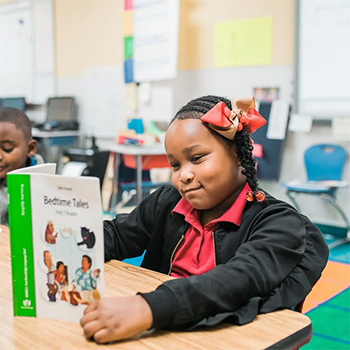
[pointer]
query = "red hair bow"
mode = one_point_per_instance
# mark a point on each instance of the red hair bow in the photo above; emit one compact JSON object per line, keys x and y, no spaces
{"x":226,"y":122}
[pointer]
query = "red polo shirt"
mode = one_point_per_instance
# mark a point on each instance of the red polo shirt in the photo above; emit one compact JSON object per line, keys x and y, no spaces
{"x":196,"y":253}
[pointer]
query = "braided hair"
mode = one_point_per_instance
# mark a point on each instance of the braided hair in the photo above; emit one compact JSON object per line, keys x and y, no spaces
{"x":196,"y":108}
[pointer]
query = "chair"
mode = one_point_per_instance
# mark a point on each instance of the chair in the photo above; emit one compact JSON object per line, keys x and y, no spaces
{"x":128,"y":188}
{"x":92,"y":160}
{"x":324,"y":165}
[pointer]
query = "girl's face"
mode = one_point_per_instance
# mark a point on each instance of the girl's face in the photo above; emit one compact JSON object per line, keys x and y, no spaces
{"x":205,"y":168}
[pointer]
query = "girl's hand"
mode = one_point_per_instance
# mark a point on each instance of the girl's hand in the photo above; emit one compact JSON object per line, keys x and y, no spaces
{"x":116,"y":318}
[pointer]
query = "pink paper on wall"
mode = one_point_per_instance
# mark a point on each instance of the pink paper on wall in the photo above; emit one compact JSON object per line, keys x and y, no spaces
{"x":128,"y":5}
{"x":257,"y":150}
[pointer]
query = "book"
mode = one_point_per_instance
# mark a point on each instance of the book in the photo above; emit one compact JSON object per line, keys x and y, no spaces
{"x":56,"y":238}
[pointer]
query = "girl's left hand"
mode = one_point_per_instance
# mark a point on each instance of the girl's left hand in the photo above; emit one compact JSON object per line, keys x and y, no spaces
{"x":111,"y":319}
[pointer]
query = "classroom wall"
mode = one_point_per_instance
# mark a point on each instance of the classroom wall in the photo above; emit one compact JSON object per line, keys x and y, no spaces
{"x":98,"y":31}
{"x":89,"y":34}
{"x":101,"y":33}
{"x":199,"y":16}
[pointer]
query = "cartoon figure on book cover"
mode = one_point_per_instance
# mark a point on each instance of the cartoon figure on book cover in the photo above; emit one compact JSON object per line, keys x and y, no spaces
{"x":48,"y":261}
{"x":84,"y":277}
{"x":50,"y":237}
{"x":88,"y":237}
{"x":61,"y":279}
{"x":74,"y":296}
{"x":52,"y":287}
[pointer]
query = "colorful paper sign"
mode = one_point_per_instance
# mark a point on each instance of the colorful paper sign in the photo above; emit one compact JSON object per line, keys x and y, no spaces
{"x":128,"y":23}
{"x":128,"y":47}
{"x":128,"y":5}
{"x":246,"y":42}
{"x":129,"y":70}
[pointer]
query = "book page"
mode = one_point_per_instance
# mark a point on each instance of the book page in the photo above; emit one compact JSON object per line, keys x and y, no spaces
{"x":67,"y":245}
{"x":47,"y":168}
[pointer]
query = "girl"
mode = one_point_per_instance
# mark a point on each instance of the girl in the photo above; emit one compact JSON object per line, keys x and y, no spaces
{"x":236,"y":250}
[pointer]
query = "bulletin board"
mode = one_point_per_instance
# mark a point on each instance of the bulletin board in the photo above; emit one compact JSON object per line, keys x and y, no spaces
{"x":199,"y":17}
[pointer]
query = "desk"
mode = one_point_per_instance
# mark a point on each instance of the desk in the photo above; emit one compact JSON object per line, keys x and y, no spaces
{"x":54,"y":138}
{"x":278,"y":330}
{"x":134,"y":150}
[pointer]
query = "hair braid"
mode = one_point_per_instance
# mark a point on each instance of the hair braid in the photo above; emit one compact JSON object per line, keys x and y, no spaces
{"x":199,"y":106}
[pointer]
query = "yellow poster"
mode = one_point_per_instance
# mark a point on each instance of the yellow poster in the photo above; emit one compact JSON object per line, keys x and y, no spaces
{"x":246,"y":42}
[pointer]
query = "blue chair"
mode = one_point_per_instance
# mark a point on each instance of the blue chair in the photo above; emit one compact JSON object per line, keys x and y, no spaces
{"x":324,"y":165}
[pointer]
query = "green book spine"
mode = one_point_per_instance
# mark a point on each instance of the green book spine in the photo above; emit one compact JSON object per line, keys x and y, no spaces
{"x":21,"y":238}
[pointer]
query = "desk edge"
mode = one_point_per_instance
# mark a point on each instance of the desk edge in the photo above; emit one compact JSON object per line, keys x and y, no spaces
{"x":294,"y":341}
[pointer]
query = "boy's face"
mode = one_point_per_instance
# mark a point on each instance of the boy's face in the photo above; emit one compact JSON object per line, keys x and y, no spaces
{"x":85,"y":264}
{"x":48,"y":259}
{"x":205,"y":168}
{"x":50,"y":226}
{"x":14,"y":148}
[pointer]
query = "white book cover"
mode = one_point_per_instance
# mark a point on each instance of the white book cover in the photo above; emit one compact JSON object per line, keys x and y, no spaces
{"x":57,"y":249}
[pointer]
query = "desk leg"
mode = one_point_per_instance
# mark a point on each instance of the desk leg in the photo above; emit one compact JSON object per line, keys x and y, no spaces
{"x":138,"y":179}
{"x":113,"y":199}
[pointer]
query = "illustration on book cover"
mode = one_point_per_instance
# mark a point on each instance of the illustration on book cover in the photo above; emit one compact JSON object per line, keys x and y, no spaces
{"x":69,"y":250}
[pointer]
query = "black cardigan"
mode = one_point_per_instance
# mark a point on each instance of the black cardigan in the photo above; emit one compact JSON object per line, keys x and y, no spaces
{"x":269,"y":262}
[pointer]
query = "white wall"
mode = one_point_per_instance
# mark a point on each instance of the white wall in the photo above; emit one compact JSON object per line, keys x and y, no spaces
{"x":239,"y":82}
{"x":27,"y":50}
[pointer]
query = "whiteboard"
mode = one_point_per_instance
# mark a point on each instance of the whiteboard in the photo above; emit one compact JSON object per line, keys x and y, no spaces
{"x":323,"y":58}
{"x":16,"y":60}
{"x":27,"y":66}
{"x":102,"y":102}
{"x":156,"y":31}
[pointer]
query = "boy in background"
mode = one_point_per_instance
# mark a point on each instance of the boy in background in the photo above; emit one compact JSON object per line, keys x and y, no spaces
{"x":17,"y":150}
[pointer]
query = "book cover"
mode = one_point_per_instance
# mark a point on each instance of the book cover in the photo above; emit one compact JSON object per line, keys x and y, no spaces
{"x":56,"y":236}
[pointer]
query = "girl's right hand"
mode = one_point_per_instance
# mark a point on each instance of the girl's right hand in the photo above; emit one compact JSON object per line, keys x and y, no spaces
{"x":111,"y":319}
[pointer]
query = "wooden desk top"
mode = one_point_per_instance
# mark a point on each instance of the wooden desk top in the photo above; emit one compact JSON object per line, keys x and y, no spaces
{"x":282,"y":329}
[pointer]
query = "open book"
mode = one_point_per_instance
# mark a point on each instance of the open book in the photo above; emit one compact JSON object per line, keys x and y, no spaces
{"x":56,"y":235}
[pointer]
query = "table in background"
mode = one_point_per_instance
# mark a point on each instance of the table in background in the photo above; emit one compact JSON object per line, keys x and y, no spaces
{"x":136,"y":150}
{"x":283,"y":329}
{"x":58,"y":138}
